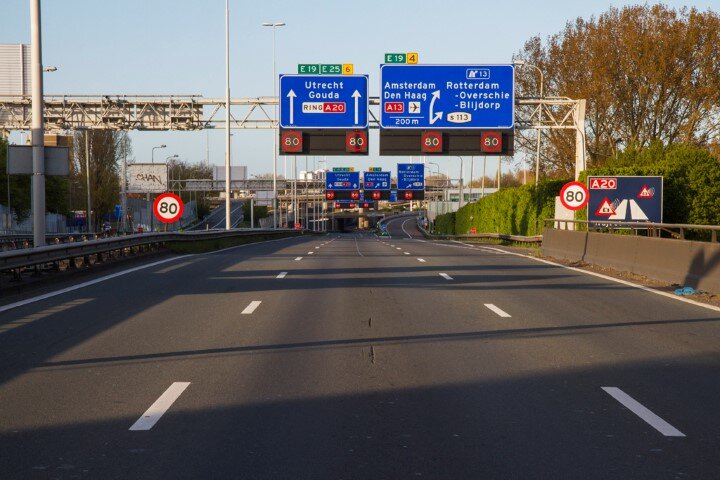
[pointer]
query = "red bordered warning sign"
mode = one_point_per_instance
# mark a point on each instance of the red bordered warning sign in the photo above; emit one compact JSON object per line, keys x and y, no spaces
{"x":646,"y":192}
{"x":606,"y":209}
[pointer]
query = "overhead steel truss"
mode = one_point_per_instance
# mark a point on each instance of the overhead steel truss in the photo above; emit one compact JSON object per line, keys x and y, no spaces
{"x":194,"y":112}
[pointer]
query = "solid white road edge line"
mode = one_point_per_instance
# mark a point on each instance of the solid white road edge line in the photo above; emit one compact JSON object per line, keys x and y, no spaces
{"x":28,"y":301}
{"x":44,"y":296}
{"x":251,"y":307}
{"x":161,"y":405}
{"x":446,"y":276}
{"x":497,"y":310}
{"x":282,"y":275}
{"x":641,"y":411}
{"x":598,"y":275}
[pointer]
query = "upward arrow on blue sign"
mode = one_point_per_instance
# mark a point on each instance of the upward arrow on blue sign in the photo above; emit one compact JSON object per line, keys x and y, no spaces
{"x":323,"y":101}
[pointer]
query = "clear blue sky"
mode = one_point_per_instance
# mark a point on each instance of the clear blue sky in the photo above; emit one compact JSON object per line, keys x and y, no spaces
{"x":177,"y":47}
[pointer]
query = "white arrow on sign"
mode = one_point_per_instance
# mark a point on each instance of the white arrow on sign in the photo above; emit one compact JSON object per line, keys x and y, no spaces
{"x":356,"y":95}
{"x":437,"y":116}
{"x":291,"y":95}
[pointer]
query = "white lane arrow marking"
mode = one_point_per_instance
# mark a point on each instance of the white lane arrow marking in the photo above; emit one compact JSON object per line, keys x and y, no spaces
{"x":291,"y":95}
{"x":356,"y":95}
{"x":436,"y":116}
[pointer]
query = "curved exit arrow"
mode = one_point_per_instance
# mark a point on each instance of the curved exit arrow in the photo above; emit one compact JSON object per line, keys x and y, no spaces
{"x":291,"y":95}
{"x":356,"y":95}
{"x":437,"y":116}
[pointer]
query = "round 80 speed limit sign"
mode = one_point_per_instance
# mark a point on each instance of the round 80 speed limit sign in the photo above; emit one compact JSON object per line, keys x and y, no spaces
{"x":574,"y":195}
{"x":168,"y":207}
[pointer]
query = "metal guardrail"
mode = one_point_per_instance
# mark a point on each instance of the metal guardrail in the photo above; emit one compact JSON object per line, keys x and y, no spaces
{"x":484,"y":236}
{"x":29,"y":257}
{"x":675,"y":230}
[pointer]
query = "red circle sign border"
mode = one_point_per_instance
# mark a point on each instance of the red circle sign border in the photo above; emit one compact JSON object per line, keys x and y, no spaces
{"x":571,"y":184}
{"x":177,"y":216}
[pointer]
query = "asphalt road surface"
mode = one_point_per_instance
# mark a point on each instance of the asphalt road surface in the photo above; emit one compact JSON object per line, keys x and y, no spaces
{"x":356,"y":357}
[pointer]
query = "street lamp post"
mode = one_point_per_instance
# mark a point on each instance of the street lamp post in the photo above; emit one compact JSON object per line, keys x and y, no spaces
{"x":274,"y":150}
{"x":521,"y":63}
{"x":147,"y":195}
{"x":460,"y":202}
{"x":38,"y":127}
{"x":437,"y":204}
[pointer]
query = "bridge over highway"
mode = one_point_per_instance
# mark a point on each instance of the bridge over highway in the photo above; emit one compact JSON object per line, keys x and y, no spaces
{"x":356,"y":356}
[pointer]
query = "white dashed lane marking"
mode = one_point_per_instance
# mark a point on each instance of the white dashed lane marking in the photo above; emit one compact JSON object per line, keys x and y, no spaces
{"x":251,"y":307}
{"x":641,"y":411}
{"x":497,"y":310}
{"x":161,"y":405}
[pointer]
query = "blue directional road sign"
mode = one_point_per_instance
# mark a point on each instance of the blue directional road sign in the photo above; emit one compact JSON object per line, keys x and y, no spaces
{"x":376,"y":180}
{"x":342,"y":180}
{"x":411,"y":176}
{"x":615,"y":199}
{"x":447,"y":96}
{"x":323,"y":101}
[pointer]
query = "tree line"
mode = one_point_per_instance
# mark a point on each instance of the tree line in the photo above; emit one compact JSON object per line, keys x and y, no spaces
{"x":649,"y":74}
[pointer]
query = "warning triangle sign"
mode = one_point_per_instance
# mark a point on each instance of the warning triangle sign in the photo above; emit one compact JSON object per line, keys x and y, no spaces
{"x":646,"y":192}
{"x":605,"y":209}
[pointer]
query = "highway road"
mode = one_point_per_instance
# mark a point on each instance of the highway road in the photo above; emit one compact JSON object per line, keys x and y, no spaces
{"x":349,"y":356}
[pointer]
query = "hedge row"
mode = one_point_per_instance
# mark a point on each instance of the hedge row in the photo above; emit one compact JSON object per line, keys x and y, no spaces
{"x":691,"y":181}
{"x":515,"y":211}
{"x":691,"y":193}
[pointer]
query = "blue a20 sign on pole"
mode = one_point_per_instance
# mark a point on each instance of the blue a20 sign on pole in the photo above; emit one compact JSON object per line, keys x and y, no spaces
{"x":323,"y":101}
{"x":617,"y":199}
{"x":447,"y":96}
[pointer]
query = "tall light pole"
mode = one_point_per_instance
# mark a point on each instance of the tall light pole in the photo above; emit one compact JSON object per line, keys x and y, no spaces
{"x":437,"y":212}
{"x":147,"y":195}
{"x":274,"y":25}
{"x":152,"y":154}
{"x":38,"y":127}
{"x":521,"y":63}
{"x":460,"y":202}
{"x":228,"y":223}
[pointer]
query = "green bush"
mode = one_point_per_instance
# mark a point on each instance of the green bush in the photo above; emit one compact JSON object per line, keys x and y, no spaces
{"x":514,"y":211}
{"x":691,"y":180}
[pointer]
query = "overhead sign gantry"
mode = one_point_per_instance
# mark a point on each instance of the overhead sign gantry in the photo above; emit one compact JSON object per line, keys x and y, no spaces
{"x":447,"y":109}
{"x":323,"y":114}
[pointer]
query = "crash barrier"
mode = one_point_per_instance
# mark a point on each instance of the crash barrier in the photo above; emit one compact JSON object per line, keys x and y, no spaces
{"x":674,"y":260}
{"x":49,"y":254}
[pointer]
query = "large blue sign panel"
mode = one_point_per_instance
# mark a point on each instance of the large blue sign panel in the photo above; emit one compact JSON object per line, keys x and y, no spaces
{"x":323,"y":101}
{"x":376,"y":180}
{"x":615,"y":199}
{"x":342,"y":180}
{"x":447,"y":96}
{"x":411,"y":176}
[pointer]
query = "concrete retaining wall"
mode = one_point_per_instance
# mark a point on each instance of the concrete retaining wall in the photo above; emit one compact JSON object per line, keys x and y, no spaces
{"x":693,"y":264}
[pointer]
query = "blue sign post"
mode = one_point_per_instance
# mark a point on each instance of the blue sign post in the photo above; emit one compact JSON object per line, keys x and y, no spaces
{"x":376,"y":180}
{"x":617,"y":199}
{"x":323,"y":101}
{"x":447,"y":96}
{"x":411,"y":181}
{"x":376,"y":185}
{"x":342,"y":186}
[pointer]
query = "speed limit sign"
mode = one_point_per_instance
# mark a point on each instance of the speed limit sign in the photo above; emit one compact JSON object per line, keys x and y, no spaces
{"x":168,"y":208}
{"x":574,"y":195}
